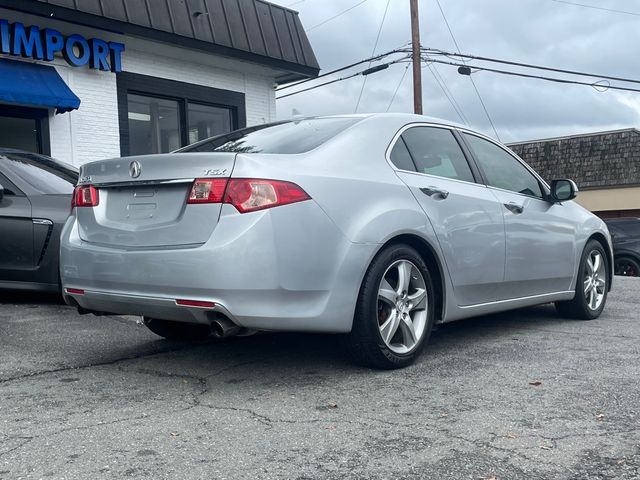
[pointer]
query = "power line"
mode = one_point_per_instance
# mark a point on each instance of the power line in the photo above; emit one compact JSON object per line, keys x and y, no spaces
{"x":404,"y":74}
{"x":373,"y":52}
{"x":612,"y":10}
{"x":538,"y":77}
{"x":366,"y":71}
{"x":528,"y":65}
{"x":355,"y":64}
{"x":447,"y":92}
{"x":336,"y":16}
{"x":484,"y":107}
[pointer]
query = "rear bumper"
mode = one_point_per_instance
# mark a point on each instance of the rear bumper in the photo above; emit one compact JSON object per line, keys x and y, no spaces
{"x":287,"y":268}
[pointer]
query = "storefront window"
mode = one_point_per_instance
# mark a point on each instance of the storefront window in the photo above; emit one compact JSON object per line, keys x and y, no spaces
{"x":20,"y":133}
{"x":206,"y":121}
{"x":154,"y":125}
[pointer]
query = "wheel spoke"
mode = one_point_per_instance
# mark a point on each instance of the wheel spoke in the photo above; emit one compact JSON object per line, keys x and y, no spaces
{"x":587,"y":285}
{"x":387,"y":293}
{"x":404,"y":277}
{"x":593,"y":302}
{"x":590,"y":265}
{"x":418,"y":299}
{"x":390,"y":327}
{"x":601,"y":283}
{"x":596,"y":262}
{"x":409,"y":331}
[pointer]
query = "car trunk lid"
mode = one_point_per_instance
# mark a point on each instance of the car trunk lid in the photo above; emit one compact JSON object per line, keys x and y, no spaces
{"x":143,"y":200}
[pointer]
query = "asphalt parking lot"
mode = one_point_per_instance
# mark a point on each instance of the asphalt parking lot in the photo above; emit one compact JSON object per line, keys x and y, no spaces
{"x":522,"y":395}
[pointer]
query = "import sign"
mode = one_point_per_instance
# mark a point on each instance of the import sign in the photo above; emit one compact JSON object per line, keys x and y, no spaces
{"x":32,"y":42}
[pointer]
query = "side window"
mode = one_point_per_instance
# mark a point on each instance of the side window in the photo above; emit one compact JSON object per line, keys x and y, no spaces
{"x":401,"y":157}
{"x":435,"y":151}
{"x":9,"y":188}
{"x":503,"y":170}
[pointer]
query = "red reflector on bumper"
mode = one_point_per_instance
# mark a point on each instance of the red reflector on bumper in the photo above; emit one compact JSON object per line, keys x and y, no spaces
{"x":195,"y":303}
{"x":74,"y":291}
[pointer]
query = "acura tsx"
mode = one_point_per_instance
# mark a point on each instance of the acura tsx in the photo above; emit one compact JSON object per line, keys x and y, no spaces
{"x":374,"y":226}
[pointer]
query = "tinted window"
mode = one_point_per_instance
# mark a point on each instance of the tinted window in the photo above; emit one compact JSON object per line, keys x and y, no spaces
{"x":400,"y":156}
{"x":285,"y":137}
{"x":154,"y":125}
{"x":435,"y":151}
{"x":206,"y":121}
{"x":44,"y":174}
{"x":9,"y":188}
{"x":502,"y":169}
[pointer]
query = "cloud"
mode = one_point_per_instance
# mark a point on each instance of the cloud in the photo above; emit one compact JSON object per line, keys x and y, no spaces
{"x":541,"y":32}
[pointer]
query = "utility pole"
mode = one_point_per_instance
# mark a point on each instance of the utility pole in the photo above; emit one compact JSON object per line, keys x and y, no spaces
{"x":415,"y":57}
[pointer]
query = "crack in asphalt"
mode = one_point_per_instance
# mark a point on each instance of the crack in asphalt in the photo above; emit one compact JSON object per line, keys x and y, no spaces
{"x":91,"y":365}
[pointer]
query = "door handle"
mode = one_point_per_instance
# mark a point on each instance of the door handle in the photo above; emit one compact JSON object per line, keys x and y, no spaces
{"x":435,"y":191}
{"x":514,"y":207}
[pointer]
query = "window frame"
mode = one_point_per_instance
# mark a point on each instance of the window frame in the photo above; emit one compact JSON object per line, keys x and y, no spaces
{"x":181,"y":92}
{"x":544,"y":187}
{"x":475,"y":172}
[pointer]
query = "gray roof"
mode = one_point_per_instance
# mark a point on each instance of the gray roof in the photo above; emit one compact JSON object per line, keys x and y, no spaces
{"x":595,"y":160}
{"x":253,"y":30}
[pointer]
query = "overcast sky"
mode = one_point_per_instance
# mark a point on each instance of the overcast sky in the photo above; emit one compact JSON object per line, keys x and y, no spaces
{"x":545,"y":32}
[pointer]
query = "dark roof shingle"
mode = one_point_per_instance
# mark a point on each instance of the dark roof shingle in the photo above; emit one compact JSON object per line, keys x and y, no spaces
{"x":604,"y":159}
{"x":254,"y":30}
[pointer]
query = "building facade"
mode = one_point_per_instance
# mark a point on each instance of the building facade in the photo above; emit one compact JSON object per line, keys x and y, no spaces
{"x":84,"y":80}
{"x":605,"y":165}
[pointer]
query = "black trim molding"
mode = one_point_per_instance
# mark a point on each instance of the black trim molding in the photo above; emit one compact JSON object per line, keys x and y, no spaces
{"x":180,"y":91}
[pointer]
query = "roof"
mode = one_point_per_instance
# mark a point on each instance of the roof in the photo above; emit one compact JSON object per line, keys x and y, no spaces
{"x":594,"y":160}
{"x":252,"y":30}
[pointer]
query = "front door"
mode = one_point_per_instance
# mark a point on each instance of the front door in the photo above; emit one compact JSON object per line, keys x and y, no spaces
{"x":16,"y":234}
{"x":541,"y":251}
{"x":464,"y":214}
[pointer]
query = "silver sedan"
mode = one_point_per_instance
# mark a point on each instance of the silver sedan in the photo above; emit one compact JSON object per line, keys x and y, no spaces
{"x":373,"y":226}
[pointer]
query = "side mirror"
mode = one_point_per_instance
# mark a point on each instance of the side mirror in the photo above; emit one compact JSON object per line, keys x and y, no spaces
{"x":563,"y":190}
{"x":1,"y":192}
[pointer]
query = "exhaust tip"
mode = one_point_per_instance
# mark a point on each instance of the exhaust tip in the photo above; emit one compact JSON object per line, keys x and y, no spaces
{"x":222,"y":327}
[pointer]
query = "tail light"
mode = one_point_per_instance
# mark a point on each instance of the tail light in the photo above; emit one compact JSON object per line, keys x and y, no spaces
{"x":85,"y":196}
{"x":246,"y":194}
{"x":207,"y":190}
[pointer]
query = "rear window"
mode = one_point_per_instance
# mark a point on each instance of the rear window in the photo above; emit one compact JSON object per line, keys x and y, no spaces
{"x":44,"y":174}
{"x":289,"y":137}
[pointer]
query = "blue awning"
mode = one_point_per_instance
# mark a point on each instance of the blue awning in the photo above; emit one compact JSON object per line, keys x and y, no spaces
{"x":35,"y":85}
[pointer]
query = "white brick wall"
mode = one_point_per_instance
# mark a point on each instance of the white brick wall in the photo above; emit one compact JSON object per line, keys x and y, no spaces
{"x":92,"y":132}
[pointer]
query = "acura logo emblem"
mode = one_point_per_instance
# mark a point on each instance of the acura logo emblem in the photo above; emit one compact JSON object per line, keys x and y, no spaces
{"x":135,"y":169}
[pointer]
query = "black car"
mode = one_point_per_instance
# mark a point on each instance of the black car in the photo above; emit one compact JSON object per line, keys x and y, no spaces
{"x":35,"y":201}
{"x":626,"y":245}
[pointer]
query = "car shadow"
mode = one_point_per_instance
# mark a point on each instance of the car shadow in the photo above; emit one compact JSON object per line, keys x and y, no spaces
{"x":21,"y":297}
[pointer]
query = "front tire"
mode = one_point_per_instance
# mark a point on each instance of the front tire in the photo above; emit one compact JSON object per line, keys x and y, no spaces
{"x":395,"y":310}
{"x":592,"y":285}
{"x":178,"y":331}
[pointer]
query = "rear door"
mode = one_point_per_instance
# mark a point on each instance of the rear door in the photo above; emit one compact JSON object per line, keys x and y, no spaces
{"x":142,"y":201}
{"x":464,"y":214}
{"x":541,"y":236}
{"x":16,"y":233}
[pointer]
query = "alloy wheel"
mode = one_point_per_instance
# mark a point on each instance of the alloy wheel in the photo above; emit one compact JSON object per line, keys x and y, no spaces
{"x":595,"y":281}
{"x":402,"y":306}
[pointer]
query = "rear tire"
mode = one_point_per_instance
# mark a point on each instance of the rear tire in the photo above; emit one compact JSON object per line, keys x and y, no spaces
{"x":627,"y":267}
{"x":178,"y":331}
{"x":395,"y":310}
{"x":592,"y":285}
